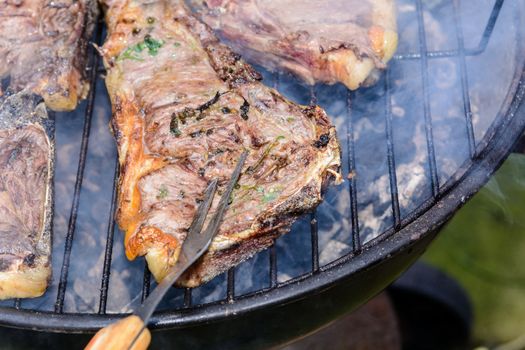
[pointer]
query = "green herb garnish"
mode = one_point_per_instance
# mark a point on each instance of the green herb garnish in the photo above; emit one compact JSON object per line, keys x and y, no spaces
{"x":134,"y":51}
{"x":267,"y":196}
{"x":163,"y":192}
{"x":271,"y":195}
{"x":131,"y":53}
{"x":153,"y":45}
{"x":253,"y":168}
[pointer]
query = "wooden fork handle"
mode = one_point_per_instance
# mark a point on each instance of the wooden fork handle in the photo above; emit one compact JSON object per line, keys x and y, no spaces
{"x":120,"y":335}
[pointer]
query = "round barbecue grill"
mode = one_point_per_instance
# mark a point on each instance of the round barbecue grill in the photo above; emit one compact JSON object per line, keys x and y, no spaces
{"x":416,"y":146}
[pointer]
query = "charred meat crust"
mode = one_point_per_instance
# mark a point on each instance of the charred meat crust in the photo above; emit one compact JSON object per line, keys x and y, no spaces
{"x":228,"y":64}
{"x":26,"y":196}
{"x":43,"y":45}
{"x":184,"y":108}
{"x":216,"y":263}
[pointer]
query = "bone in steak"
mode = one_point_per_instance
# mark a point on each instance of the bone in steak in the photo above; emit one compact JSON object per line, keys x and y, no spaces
{"x":26,"y":196}
{"x":184,"y":109}
{"x":43,"y":48}
{"x":329,"y":41}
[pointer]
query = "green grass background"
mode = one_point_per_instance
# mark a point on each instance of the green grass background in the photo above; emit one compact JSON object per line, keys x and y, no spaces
{"x":483,"y":247}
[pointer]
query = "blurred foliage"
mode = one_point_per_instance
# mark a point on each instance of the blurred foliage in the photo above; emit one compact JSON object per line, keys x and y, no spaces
{"x":483,"y":247}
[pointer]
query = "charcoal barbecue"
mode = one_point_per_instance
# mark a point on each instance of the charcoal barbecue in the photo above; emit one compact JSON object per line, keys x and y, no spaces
{"x":416,"y":146}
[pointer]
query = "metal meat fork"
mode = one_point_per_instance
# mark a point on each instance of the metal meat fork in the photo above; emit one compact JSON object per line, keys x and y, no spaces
{"x":132,"y":332}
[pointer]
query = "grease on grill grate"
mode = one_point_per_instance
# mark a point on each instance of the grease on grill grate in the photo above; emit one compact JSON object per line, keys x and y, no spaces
{"x":402,"y":141}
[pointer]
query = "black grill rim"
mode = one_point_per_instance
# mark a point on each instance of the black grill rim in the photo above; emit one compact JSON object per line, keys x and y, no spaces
{"x":486,"y":157}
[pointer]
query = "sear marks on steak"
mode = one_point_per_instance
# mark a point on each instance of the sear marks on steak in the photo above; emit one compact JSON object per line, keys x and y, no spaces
{"x":328,"y":41}
{"x":43,"y":48}
{"x":26,"y":195}
{"x":184,"y":109}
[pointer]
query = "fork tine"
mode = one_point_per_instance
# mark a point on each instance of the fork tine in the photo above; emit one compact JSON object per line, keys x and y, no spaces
{"x":204,"y":207}
{"x":195,"y":244}
{"x":215,"y":222}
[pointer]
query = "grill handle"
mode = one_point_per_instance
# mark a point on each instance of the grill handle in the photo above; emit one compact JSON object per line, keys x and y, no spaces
{"x":120,"y":336}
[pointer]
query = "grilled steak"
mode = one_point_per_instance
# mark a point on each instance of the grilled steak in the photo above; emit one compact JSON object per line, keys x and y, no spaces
{"x":184,"y":109}
{"x":328,"y":41}
{"x":43,"y":47}
{"x":26,"y":196}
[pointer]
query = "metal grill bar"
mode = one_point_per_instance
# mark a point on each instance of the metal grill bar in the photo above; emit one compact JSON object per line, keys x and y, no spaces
{"x":464,"y":79}
{"x":314,"y":229}
{"x":390,"y":154}
{"x":434,"y":182}
{"x":146,"y":283}
{"x":230,"y":289}
{"x":187,"y":297}
{"x":106,"y":271}
{"x":273,"y":266}
{"x":59,"y":304}
{"x":356,"y":239}
{"x":430,"y":55}
{"x":487,"y":33}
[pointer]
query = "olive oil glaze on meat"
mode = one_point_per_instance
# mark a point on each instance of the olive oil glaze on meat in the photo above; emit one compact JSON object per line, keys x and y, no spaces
{"x":26,"y":196}
{"x":184,"y":108}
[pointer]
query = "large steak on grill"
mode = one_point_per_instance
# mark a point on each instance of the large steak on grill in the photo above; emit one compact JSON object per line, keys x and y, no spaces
{"x":329,"y":41}
{"x":26,"y":196}
{"x":184,"y":109}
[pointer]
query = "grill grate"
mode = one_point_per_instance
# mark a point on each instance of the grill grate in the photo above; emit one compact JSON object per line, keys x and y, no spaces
{"x":423,"y":55}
